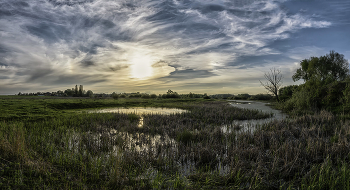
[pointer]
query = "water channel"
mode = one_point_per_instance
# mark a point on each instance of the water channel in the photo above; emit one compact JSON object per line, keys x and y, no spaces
{"x":250,"y":125}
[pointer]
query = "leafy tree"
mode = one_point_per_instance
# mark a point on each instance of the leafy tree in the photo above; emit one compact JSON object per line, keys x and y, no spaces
{"x":114,"y":95}
{"x":205,"y":96}
{"x":325,"y":84}
{"x":242,"y":97}
{"x":286,"y":92}
{"x":145,"y":96}
{"x":76,"y":90}
{"x":261,"y":97}
{"x":332,"y":66}
{"x":346,"y":96}
{"x":171,"y":94}
{"x":274,"y":81}
{"x":80,"y":92}
{"x":69,"y":92}
{"x":89,"y":93}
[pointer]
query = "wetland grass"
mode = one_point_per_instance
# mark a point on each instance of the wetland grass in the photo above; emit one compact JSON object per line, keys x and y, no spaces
{"x":178,"y":151}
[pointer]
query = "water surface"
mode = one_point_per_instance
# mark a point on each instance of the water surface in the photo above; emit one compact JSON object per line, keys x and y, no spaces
{"x":141,"y":110}
{"x":246,"y":125}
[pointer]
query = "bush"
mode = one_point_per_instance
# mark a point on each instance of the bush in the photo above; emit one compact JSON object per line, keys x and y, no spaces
{"x":261,"y":97}
{"x":115,"y":96}
{"x":346,"y":97}
{"x":242,"y":97}
{"x":171,"y":94}
{"x":146,"y":96}
{"x":206,"y":97}
{"x":300,"y":101}
{"x":286,"y":92}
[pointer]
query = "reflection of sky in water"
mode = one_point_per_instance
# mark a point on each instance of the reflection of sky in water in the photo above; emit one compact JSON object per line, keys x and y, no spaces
{"x":143,"y":142}
{"x":249,"y":125}
{"x":141,"y":110}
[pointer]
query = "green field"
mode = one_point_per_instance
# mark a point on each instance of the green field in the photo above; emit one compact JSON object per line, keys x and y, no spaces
{"x":53,"y":143}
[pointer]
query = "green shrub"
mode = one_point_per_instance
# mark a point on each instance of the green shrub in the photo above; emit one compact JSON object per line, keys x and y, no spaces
{"x":145,"y":96}
{"x":300,"y":100}
{"x":286,"y":92}
{"x":242,"y":97}
{"x":261,"y":97}
{"x":115,"y":96}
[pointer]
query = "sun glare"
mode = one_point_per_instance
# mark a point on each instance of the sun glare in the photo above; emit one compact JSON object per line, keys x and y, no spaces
{"x":141,"y":66}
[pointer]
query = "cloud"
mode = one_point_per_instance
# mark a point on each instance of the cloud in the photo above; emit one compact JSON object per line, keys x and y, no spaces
{"x":147,"y":40}
{"x":189,"y":74}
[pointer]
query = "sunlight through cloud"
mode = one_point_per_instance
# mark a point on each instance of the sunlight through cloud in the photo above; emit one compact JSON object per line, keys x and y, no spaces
{"x":53,"y":43}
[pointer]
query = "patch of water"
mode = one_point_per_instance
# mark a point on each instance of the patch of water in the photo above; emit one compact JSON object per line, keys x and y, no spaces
{"x":143,"y":142}
{"x":140,"y":110}
{"x":250,"y":125}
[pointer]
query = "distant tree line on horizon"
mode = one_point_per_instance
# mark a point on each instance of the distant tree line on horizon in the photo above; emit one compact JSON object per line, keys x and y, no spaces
{"x":74,"y":92}
{"x":78,"y":91}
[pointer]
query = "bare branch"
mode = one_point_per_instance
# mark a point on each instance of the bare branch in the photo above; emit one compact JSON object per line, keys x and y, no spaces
{"x":274,"y":81}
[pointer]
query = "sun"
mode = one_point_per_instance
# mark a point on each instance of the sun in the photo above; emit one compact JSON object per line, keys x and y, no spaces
{"x":141,"y":66}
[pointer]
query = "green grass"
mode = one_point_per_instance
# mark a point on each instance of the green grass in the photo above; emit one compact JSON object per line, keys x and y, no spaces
{"x":51,"y":144}
{"x":39,"y":108}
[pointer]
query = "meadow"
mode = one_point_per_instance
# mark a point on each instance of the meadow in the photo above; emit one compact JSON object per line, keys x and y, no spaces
{"x":55,"y":143}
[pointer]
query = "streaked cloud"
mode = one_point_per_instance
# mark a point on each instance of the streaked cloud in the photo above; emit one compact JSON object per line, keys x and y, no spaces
{"x":136,"y":45}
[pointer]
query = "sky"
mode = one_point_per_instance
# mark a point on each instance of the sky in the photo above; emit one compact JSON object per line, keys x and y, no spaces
{"x":198,"y":46}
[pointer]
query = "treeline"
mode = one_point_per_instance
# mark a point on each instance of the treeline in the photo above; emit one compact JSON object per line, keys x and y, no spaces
{"x":80,"y":92}
{"x":251,"y":97}
{"x":326,"y":86}
{"x":168,"y":94}
{"x":172,"y":94}
{"x":74,"y":92}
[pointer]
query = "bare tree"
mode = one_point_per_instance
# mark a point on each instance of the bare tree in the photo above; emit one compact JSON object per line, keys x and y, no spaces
{"x":274,"y":81}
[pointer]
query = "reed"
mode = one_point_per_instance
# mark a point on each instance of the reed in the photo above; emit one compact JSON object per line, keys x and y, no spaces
{"x":177,"y":151}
